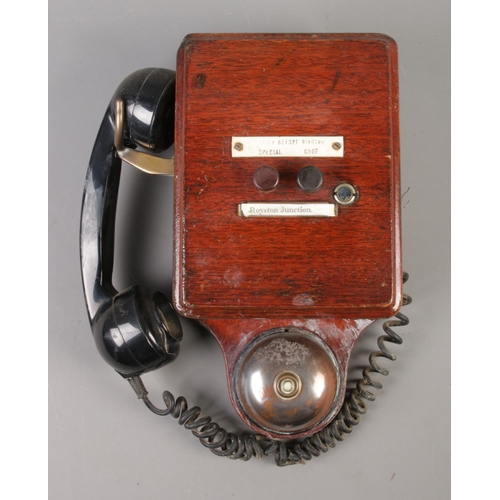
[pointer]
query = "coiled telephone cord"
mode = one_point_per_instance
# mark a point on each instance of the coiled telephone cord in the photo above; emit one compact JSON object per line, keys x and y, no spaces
{"x":246,"y":446}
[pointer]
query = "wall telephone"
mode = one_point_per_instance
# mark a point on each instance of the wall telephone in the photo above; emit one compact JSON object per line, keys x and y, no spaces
{"x":287,"y":227}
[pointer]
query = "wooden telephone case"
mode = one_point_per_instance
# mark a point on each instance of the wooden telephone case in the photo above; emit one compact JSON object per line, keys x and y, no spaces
{"x":244,"y":276}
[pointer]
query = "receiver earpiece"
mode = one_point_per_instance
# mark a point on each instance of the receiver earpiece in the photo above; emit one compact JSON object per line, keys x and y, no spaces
{"x":149,"y":97}
{"x":135,"y":330}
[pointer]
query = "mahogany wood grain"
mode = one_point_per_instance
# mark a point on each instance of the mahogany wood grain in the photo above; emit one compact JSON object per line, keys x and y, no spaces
{"x":297,"y":85}
{"x":241,"y":277}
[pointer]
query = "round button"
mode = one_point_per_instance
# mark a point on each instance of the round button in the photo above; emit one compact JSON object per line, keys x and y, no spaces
{"x":287,"y":381}
{"x":310,"y":178}
{"x":345,"y":194}
{"x":266,"y":178}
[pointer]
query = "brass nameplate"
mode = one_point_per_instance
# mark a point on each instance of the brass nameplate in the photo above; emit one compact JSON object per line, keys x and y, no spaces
{"x":285,"y":146}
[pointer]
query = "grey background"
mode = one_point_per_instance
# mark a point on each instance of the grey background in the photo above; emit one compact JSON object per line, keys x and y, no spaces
{"x":103,"y":443}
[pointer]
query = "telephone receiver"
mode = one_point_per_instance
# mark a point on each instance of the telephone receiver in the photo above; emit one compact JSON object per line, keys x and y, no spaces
{"x":287,"y":228}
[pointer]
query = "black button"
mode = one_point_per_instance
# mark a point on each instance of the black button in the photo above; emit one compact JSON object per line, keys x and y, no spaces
{"x":266,"y":178}
{"x":310,"y":178}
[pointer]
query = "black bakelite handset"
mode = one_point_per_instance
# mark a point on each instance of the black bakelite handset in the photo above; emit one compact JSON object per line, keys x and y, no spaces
{"x":135,"y":330}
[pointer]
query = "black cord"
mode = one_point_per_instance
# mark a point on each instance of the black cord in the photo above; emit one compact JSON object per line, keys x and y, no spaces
{"x":246,"y":446}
